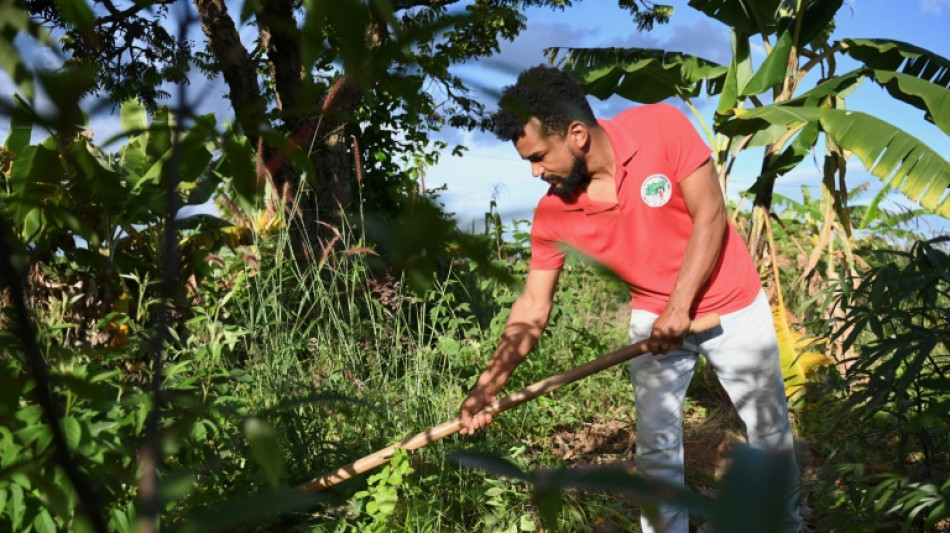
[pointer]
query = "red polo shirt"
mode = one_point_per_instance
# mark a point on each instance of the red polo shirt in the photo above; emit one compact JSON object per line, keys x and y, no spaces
{"x":642,"y":238}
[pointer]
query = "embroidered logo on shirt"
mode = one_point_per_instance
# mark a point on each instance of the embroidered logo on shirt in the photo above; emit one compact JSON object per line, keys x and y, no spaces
{"x":656,"y":190}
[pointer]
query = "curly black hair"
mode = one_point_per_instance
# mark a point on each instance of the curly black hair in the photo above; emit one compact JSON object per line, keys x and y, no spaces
{"x":546,"y":93}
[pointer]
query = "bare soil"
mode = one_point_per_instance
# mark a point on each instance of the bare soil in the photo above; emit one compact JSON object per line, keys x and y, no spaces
{"x":711,"y":429}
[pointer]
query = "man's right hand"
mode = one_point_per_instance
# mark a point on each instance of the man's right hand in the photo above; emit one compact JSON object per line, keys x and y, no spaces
{"x":472,"y":420}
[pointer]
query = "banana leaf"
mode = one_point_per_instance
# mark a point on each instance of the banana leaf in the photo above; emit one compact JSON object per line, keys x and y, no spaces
{"x":640,"y":74}
{"x":819,"y":18}
{"x":790,"y":158}
{"x":798,"y":362}
{"x":894,"y":156}
{"x":774,"y":69}
{"x":899,"y":159}
{"x":898,"y":56}
{"x":933,"y":99}
{"x":740,"y":72}
{"x":21,"y":127}
{"x":742,"y":15}
{"x":754,"y":16}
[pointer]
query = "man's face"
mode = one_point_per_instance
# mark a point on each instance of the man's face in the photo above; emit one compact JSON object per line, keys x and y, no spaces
{"x":552,"y":159}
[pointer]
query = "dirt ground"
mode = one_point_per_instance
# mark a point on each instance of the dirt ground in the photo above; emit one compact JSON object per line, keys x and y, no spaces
{"x":711,"y":430}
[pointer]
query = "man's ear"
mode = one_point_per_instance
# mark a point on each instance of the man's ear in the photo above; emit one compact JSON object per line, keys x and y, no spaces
{"x":578,"y":134}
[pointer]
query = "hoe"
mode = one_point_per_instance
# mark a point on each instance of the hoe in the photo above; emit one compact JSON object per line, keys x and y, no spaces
{"x":498,"y":406}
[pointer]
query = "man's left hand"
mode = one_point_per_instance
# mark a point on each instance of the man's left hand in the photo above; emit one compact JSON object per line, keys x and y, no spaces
{"x":669,"y":331}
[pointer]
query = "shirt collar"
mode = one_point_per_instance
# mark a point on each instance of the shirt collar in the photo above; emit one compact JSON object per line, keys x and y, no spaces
{"x":624,"y":147}
{"x":624,"y":144}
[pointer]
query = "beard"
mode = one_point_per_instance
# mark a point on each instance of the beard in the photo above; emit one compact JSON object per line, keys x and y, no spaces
{"x":569,"y":185}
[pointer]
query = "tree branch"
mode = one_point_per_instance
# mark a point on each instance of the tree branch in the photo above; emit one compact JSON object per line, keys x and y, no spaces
{"x":281,"y":39}
{"x":236,"y":66}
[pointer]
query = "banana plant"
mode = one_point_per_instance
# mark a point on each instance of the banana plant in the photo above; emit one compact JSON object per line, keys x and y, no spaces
{"x":81,"y":213}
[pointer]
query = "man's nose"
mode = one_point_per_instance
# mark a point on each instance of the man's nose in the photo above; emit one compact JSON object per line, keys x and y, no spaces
{"x":536,"y":170}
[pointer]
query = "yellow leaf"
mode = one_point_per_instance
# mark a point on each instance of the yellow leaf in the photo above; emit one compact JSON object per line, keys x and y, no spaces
{"x":797,"y":362}
{"x":268,"y":224}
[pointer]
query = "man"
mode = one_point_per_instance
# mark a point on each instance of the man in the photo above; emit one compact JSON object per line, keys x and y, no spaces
{"x":639,"y":194}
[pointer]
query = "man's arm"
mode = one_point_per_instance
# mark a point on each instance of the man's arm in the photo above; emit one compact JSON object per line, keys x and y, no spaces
{"x":528,"y":318}
{"x":707,"y":209}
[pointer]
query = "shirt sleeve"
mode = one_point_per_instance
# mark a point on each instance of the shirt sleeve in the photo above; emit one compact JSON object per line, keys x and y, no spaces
{"x":546,"y":253}
{"x":686,"y":150}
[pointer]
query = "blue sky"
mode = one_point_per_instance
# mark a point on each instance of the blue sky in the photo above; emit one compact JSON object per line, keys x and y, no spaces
{"x":491,"y":169}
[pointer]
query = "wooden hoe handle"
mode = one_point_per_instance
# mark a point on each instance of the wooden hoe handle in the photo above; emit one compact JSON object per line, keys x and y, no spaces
{"x":502,"y":404}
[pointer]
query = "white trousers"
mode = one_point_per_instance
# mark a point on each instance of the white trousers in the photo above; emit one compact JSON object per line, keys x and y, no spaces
{"x":744,"y":354}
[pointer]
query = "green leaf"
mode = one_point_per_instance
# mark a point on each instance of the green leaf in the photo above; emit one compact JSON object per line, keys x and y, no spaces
{"x":176,"y":485}
{"x":119,"y":520}
{"x":133,"y":117}
{"x":773,"y":70}
{"x":740,"y":70}
{"x":894,"y":156}
{"x":930,"y":97}
{"x":751,"y":121}
{"x":79,"y":15}
{"x":17,"y":509}
{"x":642,"y":74}
{"x":487,"y":461}
{"x":33,"y":224}
{"x":34,"y":178}
{"x":797,"y":151}
{"x":939,"y":513}
{"x":898,"y":56}
{"x":936,"y":415}
{"x":237,"y":168}
{"x":745,"y":17}
{"x":21,"y":128}
{"x":527,"y":524}
{"x":250,"y":8}
{"x":819,"y":18}
{"x":65,"y":87}
{"x":314,"y":27}
{"x":44,"y":522}
{"x":12,"y":62}
{"x":195,"y":156}
{"x":265,"y":448}
{"x":73,"y":431}
{"x":871,"y":214}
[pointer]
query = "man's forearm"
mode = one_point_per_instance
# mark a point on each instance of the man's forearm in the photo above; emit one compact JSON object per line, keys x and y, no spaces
{"x":525,"y":325}
{"x":703,"y":199}
{"x":702,"y":252}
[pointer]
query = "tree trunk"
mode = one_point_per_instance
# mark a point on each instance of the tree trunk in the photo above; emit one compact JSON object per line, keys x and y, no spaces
{"x":249,"y":105}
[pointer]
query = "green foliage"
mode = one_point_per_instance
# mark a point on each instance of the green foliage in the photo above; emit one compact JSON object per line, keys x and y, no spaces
{"x":884,"y":421}
{"x":277,"y":371}
{"x":751,"y":496}
{"x":94,"y":219}
{"x":900,"y":313}
{"x":378,"y":502}
{"x":865,"y":501}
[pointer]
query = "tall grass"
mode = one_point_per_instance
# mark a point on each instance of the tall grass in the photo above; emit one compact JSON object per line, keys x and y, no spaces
{"x":342,"y":359}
